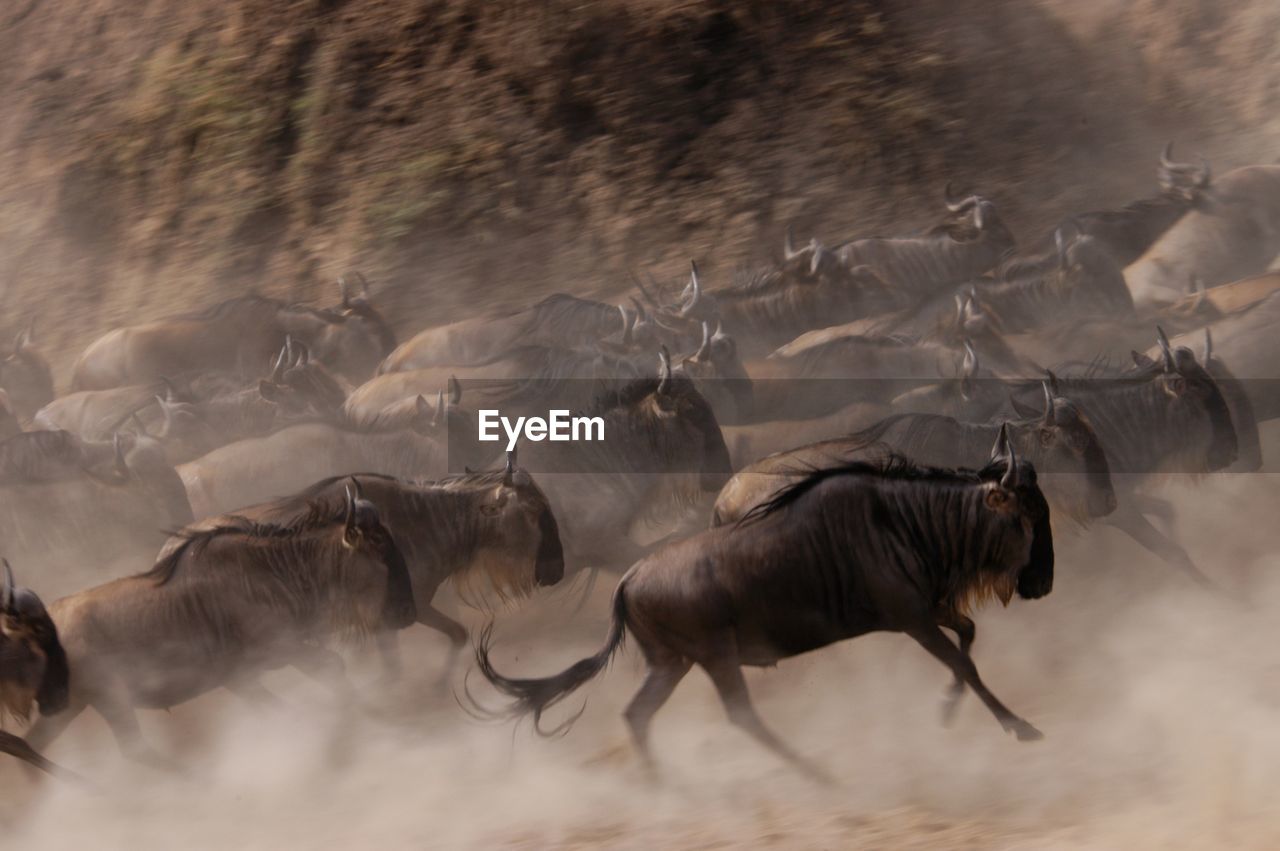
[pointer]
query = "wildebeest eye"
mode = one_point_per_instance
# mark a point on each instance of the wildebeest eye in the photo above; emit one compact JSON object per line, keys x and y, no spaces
{"x":997,"y":498}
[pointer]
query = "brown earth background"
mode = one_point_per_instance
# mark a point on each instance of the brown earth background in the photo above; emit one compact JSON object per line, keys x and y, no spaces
{"x":157,"y":155}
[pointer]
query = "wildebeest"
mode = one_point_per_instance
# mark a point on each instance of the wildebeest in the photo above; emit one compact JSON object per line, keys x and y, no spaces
{"x":533,"y":379}
{"x":226,"y":605}
{"x":239,"y":335}
{"x":1085,"y":281}
{"x":1059,"y":442}
{"x":557,"y":320}
{"x":25,"y":375}
{"x":845,"y":551}
{"x":484,"y":532}
{"x":62,"y":495}
{"x":1128,"y":232}
{"x":662,"y":452}
{"x":33,"y":665}
{"x":258,"y":469}
{"x":1233,"y":232}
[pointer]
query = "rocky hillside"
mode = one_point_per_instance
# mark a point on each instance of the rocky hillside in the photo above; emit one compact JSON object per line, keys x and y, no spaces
{"x":465,"y":155}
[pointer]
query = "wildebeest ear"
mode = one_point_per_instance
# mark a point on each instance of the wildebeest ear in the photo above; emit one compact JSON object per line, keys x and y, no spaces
{"x":1024,"y":411}
{"x":1001,"y":447}
{"x":24,"y":338}
{"x":508,"y":473}
{"x":455,"y":390}
{"x":6,"y":598}
{"x":1141,"y":360}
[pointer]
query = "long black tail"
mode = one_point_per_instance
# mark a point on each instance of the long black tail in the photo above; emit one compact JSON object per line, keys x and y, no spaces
{"x":536,"y":696}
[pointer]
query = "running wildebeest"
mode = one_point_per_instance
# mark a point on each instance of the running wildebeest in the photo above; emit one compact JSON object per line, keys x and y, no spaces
{"x":224,"y":606}
{"x":845,"y":551}
{"x":238,"y":336}
{"x":1059,"y":442}
{"x":33,"y":666}
{"x":476,"y":530}
{"x":1128,"y":232}
{"x":1233,"y":232}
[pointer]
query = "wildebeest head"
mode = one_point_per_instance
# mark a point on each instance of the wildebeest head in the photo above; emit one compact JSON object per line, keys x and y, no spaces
{"x":354,"y":338}
{"x":33,"y":664}
{"x":515,"y":522}
{"x":673,"y":418}
{"x":1189,"y":180}
{"x":26,"y":376}
{"x":1067,"y":452}
{"x":1186,"y":382}
{"x":300,"y":385}
{"x":974,"y":218}
{"x":1014,"y":498}
{"x":720,"y":375}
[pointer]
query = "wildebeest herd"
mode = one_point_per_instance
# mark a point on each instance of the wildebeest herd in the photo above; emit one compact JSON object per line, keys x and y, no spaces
{"x":872,"y":436}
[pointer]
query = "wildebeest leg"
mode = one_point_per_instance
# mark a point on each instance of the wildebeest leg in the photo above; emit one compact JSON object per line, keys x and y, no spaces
{"x":1130,"y":521}
{"x":964,"y":629}
{"x":726,"y":674}
{"x":430,"y":616}
{"x":932,"y":639}
{"x":325,"y":667}
{"x":389,"y":651}
{"x":18,"y":747}
{"x":123,"y":722}
{"x":661,"y":680}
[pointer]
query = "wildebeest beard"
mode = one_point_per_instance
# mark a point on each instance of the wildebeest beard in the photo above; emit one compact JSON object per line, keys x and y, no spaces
{"x":293,"y":566}
{"x":929,"y":521}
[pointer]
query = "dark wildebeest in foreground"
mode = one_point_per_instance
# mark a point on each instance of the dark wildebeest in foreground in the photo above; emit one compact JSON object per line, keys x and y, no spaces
{"x":483,"y":531}
{"x":240,"y":335}
{"x":1060,"y":443}
{"x":33,"y":666}
{"x":26,"y":377}
{"x":226,"y":605}
{"x":845,"y":551}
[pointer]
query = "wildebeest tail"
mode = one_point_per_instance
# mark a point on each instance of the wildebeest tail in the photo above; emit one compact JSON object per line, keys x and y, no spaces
{"x":535,"y":696}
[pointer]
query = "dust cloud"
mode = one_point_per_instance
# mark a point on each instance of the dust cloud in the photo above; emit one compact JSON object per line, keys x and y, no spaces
{"x":1158,"y":699}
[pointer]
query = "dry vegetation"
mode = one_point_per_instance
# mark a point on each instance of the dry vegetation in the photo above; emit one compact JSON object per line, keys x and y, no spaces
{"x":468,"y":154}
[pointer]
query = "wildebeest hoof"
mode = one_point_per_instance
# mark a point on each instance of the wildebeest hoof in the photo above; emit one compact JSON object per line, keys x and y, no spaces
{"x":1025,"y":732}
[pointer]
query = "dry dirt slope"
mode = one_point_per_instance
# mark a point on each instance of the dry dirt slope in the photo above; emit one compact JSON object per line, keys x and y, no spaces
{"x":156,"y":155}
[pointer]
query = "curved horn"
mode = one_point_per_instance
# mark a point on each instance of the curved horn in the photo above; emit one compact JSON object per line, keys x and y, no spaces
{"x":1060,"y":240}
{"x":970,"y":359}
{"x":1009,"y":480}
{"x":122,"y":467}
{"x":137,"y":423}
{"x":818,"y":254}
{"x":980,"y":214}
{"x":1166,"y":353}
{"x":704,"y":348}
{"x":1208,"y":345}
{"x":170,"y":392}
{"x":641,"y":315}
{"x":1053,"y":381}
{"x":788,"y":244}
{"x":440,"y":407}
{"x":364,"y":284}
{"x":349,"y":521}
{"x":957,"y":206}
{"x":167,"y":425}
{"x":1001,"y":447}
{"x":664,"y":373}
{"x":277,"y":370}
{"x":342,"y":289}
{"x":694,"y":289}
{"x":509,"y":472}
{"x":1168,"y":164}
{"x":303,"y":354}
{"x":719,"y":332}
{"x":627,"y":322}
{"x":9,"y":587}
{"x":455,"y":390}
{"x":1048,"y":403}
